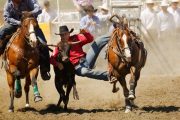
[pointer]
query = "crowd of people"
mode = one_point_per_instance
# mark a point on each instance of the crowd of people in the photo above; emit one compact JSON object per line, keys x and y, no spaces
{"x":158,"y":20}
{"x":162,"y":23}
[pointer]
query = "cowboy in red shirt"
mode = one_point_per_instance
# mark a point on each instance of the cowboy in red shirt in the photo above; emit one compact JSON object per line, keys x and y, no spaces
{"x":83,"y":62}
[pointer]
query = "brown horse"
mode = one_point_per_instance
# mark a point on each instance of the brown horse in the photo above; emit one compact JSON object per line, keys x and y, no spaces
{"x":126,"y":54}
{"x":21,"y":61}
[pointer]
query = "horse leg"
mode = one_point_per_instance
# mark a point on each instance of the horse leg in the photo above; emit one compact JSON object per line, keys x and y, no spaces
{"x":132,"y":83}
{"x":18,"y":88}
{"x":26,"y":89}
{"x":133,"y":87}
{"x":115,"y":89}
{"x":10,"y":80}
{"x":33,"y":76}
{"x":126,"y":93}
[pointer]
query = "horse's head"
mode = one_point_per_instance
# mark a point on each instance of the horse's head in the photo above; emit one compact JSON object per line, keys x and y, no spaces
{"x":124,"y":42}
{"x":29,"y":24}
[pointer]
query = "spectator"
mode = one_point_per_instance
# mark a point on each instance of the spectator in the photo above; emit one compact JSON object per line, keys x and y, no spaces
{"x":47,"y":14}
{"x":104,"y":16}
{"x":166,"y":21}
{"x":90,"y":22}
{"x":175,"y":11}
{"x":149,"y":21}
{"x":81,"y":5}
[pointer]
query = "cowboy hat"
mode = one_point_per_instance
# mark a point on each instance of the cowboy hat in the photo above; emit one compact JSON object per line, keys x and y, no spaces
{"x":90,"y":8}
{"x":164,"y":3}
{"x":174,"y":0}
{"x":104,"y":7}
{"x":64,"y":29}
{"x":149,"y":1}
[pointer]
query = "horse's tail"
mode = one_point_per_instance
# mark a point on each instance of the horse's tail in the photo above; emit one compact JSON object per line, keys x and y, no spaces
{"x":145,"y":57}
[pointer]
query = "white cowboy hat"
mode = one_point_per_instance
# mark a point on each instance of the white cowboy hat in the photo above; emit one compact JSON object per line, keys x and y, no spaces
{"x":104,"y":6}
{"x":164,"y":3}
{"x":149,"y":1}
{"x":174,"y":0}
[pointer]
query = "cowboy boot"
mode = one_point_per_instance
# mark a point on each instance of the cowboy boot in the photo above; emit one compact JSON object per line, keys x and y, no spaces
{"x":45,"y":67}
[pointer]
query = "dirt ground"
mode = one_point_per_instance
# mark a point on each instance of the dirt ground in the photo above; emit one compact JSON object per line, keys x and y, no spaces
{"x":158,"y":98}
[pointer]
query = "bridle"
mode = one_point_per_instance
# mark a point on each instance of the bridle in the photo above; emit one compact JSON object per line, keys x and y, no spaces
{"x":27,"y":36}
{"x":119,"y":50}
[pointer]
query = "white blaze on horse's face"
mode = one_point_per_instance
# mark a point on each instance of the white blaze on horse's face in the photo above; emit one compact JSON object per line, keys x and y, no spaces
{"x":32,"y":35}
{"x":127,"y":51}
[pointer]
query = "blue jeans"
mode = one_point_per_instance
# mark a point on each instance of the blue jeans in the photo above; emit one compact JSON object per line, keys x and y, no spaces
{"x":84,"y":68}
{"x":7,"y":29}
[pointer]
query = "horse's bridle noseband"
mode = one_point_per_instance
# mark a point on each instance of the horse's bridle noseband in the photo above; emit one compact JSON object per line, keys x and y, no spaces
{"x":119,"y":50}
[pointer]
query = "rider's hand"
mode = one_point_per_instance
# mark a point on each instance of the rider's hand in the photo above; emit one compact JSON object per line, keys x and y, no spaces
{"x":93,"y":23}
{"x":89,"y":23}
{"x":60,"y":66}
{"x":26,"y":13}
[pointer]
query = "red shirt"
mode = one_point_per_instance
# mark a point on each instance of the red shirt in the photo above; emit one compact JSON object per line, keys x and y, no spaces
{"x":76,"y":51}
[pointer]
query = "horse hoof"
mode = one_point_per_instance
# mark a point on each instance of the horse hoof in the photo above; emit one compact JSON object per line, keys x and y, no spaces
{"x":37,"y":98}
{"x":131,"y":97}
{"x":18,"y":94}
{"x":128,"y":109}
{"x":27,"y":105}
{"x":10,"y":110}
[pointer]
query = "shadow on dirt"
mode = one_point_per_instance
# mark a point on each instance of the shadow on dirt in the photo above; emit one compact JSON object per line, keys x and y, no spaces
{"x":166,"y":109}
{"x":30,"y":109}
{"x":51,"y":108}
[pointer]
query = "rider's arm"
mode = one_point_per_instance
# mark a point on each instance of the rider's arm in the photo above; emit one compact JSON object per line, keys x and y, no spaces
{"x":85,"y":38}
{"x":35,"y":7}
{"x":8,"y":17}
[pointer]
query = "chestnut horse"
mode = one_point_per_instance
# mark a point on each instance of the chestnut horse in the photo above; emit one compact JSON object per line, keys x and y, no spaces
{"x":126,"y":54}
{"x":21,"y":61}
